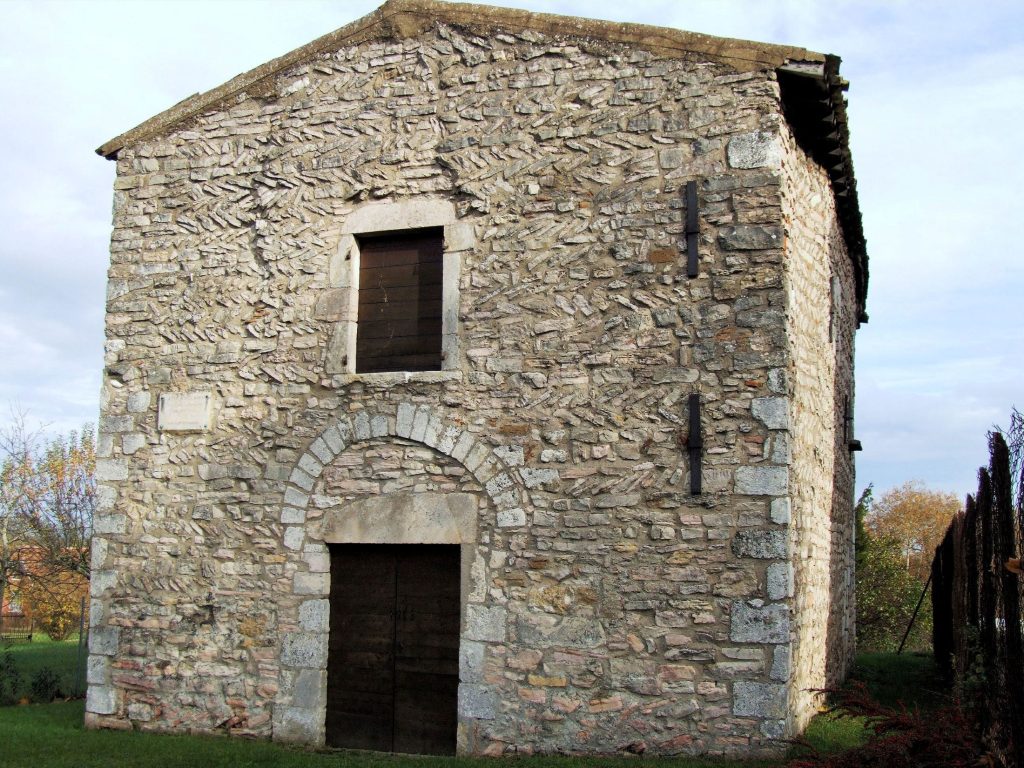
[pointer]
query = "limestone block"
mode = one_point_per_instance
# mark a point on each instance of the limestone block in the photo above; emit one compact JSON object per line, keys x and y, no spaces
{"x":761,"y":544}
{"x":109,"y":524}
{"x":307,"y":650}
{"x":459,"y":236}
{"x":486,"y":623}
{"x":106,"y":495}
{"x":471,"y":661}
{"x":294,"y":536}
{"x":477,"y":702}
{"x":402,"y":518}
{"x":762,"y":481}
{"x":749,"y":237}
{"x":780,"y":663}
{"x":101,"y":700}
{"x":758,"y":149}
{"x":780,"y":581}
{"x":132,"y":442}
{"x":314,"y":615}
{"x":311,"y":584}
{"x":138,"y":402}
{"x":104,"y":640}
{"x":512,"y":455}
{"x":773,"y":412}
{"x":98,"y":670}
{"x":544,"y":631}
{"x":309,"y":687}
{"x":298,"y":725}
{"x":773,"y":729}
{"x":111,"y":469}
{"x":767,"y":700}
{"x":780,"y":511}
{"x":538,"y":478}
{"x":293,"y":515}
{"x":510,"y":518}
{"x":759,"y":624}
{"x":414,"y":213}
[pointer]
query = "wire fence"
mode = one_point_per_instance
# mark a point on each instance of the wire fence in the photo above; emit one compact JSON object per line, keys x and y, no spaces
{"x":976,"y":600}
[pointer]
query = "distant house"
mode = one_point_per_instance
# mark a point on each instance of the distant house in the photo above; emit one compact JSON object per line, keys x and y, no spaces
{"x":481,"y":381}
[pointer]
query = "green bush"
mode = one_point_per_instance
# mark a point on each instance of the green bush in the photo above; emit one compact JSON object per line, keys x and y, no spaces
{"x":45,"y":686}
{"x":10,"y":680}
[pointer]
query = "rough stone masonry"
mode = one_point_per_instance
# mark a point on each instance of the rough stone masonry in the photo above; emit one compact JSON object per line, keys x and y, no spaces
{"x":604,"y":607}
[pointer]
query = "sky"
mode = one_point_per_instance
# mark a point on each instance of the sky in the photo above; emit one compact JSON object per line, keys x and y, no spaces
{"x":936,"y":106}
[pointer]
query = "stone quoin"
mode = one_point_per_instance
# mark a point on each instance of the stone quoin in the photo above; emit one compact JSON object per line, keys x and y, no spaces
{"x":428,"y":284}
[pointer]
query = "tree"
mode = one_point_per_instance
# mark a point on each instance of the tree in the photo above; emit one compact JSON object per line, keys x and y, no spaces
{"x":47,"y":501}
{"x":916,"y":519}
{"x":886,"y":591}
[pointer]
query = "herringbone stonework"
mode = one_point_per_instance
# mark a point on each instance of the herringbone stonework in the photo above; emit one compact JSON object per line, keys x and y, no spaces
{"x":604,"y":608}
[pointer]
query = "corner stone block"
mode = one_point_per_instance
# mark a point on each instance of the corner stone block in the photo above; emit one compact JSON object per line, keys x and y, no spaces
{"x":476,"y":702}
{"x":765,"y":700}
{"x":103,"y":641}
{"x":111,"y":469}
{"x":101,"y":700}
{"x":780,"y":581}
{"x":773,"y":729}
{"x":758,"y":149}
{"x":780,"y":663}
{"x":306,"y":650}
{"x":486,"y":624}
{"x":766,"y":624}
{"x":780,"y":511}
{"x":109,"y":524}
{"x":318,"y":584}
{"x":106,"y":496}
{"x":773,"y":412}
{"x":762,"y":481}
{"x":98,"y":670}
{"x":471,"y":661}
{"x":313,"y":615}
{"x":765,"y":545}
{"x":297,"y":725}
{"x":308,"y":689}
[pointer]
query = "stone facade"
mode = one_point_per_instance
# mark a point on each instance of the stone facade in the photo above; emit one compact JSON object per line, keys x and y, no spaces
{"x":604,"y":607}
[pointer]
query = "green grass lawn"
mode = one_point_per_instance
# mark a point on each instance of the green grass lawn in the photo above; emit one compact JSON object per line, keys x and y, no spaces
{"x":52,"y":735}
{"x":60,"y":656}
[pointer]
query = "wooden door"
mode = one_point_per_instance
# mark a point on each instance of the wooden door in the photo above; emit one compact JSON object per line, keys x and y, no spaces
{"x":393,"y":661}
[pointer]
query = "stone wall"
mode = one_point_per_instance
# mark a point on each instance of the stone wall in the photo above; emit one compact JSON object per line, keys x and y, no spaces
{"x":605,"y":609}
{"x":821,"y":322}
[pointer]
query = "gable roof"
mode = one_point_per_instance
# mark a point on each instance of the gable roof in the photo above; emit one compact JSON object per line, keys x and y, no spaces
{"x":812,"y":91}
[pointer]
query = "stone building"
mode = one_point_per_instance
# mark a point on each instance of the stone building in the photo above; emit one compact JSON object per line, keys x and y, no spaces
{"x":481,"y":381}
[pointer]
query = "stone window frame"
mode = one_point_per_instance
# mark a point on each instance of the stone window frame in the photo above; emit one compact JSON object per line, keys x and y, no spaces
{"x":377,"y":218}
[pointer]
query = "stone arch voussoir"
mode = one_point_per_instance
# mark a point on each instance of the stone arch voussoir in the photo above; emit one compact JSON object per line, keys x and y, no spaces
{"x":418,"y":423}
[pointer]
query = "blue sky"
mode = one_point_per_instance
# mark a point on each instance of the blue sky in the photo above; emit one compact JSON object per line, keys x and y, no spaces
{"x":936,"y":109}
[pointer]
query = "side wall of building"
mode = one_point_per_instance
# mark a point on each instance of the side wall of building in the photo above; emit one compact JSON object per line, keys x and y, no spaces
{"x":606,"y":608}
{"x":821,"y":320}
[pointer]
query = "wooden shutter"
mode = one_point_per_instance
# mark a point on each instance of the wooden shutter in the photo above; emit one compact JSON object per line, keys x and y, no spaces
{"x":399,"y":324}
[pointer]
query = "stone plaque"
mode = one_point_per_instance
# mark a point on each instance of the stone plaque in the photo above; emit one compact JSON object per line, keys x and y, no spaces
{"x":185,"y":412}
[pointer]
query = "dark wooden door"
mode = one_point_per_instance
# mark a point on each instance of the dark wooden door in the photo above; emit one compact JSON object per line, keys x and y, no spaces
{"x":393,"y":663}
